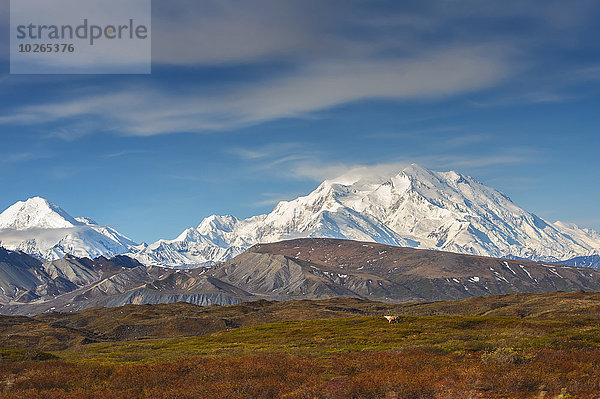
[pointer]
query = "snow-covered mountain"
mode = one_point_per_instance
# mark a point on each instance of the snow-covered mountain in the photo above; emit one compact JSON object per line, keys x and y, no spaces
{"x":46,"y":231}
{"x":416,"y":207}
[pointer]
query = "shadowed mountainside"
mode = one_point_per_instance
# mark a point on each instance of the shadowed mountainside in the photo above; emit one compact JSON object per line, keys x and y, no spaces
{"x":295,"y":269}
{"x":317,"y":268}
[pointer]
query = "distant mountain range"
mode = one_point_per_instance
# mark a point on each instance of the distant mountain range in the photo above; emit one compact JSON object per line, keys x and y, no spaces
{"x":416,"y":208}
{"x":47,"y":232}
{"x":310,"y":268}
{"x":30,"y":286}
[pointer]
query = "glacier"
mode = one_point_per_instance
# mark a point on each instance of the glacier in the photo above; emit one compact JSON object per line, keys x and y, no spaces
{"x":417,"y":208}
{"x":45,"y":231}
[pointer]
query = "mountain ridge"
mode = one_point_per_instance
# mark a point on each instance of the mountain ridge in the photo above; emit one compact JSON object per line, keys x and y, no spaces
{"x":46,"y":231}
{"x":310,"y":268}
{"x":414,"y":208}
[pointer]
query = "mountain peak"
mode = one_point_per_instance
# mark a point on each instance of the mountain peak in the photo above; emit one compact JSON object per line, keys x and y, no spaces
{"x":416,"y":168}
{"x":419,"y":173}
{"x":214,"y":221}
{"x":36,"y":212}
{"x":40,"y":228}
{"x":365,"y":176}
{"x":413,"y":207}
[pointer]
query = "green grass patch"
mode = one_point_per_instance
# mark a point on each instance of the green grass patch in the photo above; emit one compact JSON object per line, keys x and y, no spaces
{"x":357,"y":334}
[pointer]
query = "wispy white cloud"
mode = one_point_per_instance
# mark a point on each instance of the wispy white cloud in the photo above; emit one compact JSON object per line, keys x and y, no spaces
{"x":315,"y":167}
{"x":124,"y":153}
{"x":407,"y":133}
{"x":217,"y":32}
{"x":484,"y":161}
{"x":265,"y":151}
{"x":143,"y":111}
{"x":589,"y":73}
{"x":320,"y":171}
{"x":274,"y":198}
{"x":20,"y":157}
{"x":324,"y":56}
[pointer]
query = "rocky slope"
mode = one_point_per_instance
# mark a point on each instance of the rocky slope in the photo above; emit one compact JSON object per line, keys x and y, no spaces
{"x":317,"y":268}
{"x":24,"y":279}
{"x":295,"y":269}
{"x":116,"y":282}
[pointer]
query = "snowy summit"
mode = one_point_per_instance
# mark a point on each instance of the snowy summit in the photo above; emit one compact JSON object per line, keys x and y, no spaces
{"x":416,"y":207}
{"x":44,"y":230}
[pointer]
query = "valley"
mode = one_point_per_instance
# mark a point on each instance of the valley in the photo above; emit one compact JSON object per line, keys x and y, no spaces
{"x":515,"y":345}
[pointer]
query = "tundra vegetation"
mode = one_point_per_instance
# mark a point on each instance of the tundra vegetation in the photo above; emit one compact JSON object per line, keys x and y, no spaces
{"x":509,"y":346}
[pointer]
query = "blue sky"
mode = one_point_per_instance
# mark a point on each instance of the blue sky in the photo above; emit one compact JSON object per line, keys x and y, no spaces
{"x":252,"y":102}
